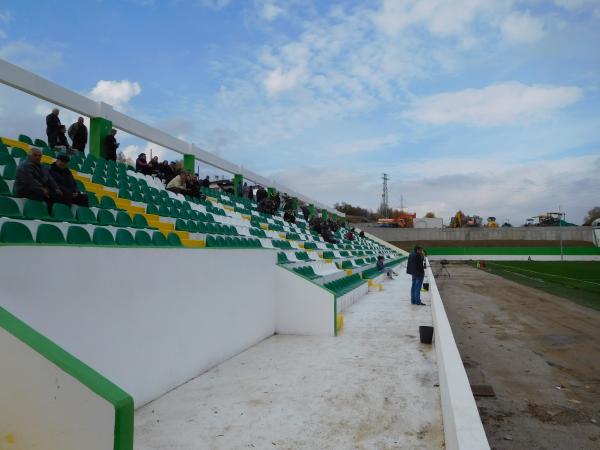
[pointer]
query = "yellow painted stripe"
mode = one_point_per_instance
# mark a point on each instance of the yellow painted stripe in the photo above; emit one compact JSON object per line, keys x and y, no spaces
{"x":13,"y":143}
{"x":193,"y":243}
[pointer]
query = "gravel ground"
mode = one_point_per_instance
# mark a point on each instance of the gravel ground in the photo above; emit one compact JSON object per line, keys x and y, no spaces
{"x":540,"y":353}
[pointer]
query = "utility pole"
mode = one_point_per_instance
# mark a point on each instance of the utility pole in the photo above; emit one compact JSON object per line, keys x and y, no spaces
{"x":384,"y":209}
{"x":560,"y":234}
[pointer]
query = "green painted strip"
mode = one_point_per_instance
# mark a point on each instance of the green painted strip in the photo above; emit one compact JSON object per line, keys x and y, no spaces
{"x":512,"y":251}
{"x":121,"y":400}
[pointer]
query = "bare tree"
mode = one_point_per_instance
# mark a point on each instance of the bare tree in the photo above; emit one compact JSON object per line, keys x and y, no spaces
{"x":592,"y":215}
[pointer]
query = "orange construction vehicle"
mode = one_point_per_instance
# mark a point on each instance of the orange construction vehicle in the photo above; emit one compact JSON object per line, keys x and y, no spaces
{"x":402,"y":220}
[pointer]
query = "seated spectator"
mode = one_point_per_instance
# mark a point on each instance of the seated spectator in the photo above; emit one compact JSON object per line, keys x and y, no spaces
{"x":164,"y":171}
{"x":380,"y":265}
{"x":34,"y":182}
{"x":206,"y":182}
{"x":194,"y":187}
{"x":361,"y":234}
{"x":289,"y":216}
{"x":142,"y":166}
{"x":61,"y":140}
{"x":154,"y":165}
{"x":66,"y":183}
{"x":349,"y":235}
{"x":178,"y":184}
{"x":267,"y":205}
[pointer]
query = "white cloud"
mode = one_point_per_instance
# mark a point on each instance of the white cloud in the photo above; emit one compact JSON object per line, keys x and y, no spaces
{"x":496,"y":104}
{"x":278,"y":80}
{"x":522,"y":28}
{"x":271,"y":11}
{"x":366,"y":145}
{"x":115,"y":93}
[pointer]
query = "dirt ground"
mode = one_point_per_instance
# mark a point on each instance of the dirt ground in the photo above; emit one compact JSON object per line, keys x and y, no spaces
{"x":540,"y":353}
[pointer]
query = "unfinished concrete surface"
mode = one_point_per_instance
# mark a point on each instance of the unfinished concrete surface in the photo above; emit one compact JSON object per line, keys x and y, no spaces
{"x":375,"y":386}
{"x":540,"y":354}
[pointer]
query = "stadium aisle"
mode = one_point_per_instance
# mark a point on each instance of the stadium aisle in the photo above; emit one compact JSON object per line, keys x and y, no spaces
{"x":373,"y":386}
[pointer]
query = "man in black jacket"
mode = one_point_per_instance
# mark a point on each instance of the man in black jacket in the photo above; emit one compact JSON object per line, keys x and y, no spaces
{"x":61,"y":140}
{"x":52,"y":127}
{"x":66,"y":183}
{"x":34,"y":182}
{"x":416,"y":268}
{"x":78,"y":133}
{"x":110,"y":146}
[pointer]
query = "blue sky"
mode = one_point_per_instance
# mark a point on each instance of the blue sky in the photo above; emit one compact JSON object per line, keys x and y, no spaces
{"x":492,"y":107}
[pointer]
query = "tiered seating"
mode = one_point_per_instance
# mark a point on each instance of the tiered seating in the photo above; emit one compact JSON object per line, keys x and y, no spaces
{"x":131,"y":209}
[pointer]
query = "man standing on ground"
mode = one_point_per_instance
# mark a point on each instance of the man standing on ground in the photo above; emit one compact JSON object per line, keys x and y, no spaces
{"x":415,"y":268}
{"x":52,"y":127}
{"x":78,"y":133}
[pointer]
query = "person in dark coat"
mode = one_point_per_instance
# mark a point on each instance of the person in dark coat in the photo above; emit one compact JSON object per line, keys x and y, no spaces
{"x":142,"y":166}
{"x":416,"y":268}
{"x":206,"y":182}
{"x":66,"y":183}
{"x":61,"y":140}
{"x":78,"y":133}
{"x":52,"y":127}
{"x":111,"y":145}
{"x":261,"y":194}
{"x":34,"y":182}
{"x":153,"y":163}
{"x":305,"y":212}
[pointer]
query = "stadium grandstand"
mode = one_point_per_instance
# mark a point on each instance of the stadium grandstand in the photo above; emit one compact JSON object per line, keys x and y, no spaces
{"x":153,"y":319}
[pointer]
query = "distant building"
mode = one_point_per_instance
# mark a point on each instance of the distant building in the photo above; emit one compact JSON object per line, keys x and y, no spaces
{"x":427,"y":222}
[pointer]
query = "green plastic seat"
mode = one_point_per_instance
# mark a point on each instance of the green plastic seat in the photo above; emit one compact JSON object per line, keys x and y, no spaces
{"x":4,"y":189}
{"x":98,"y":178}
{"x":143,"y":238}
{"x":164,"y":211}
{"x":124,"y":237}
{"x":152,"y":209}
{"x":159,"y":239}
{"x":192,"y":226}
{"x":34,"y":209}
{"x":124,"y":193}
{"x":40,"y":143}
{"x":93,"y":200}
{"x":9,"y":172}
{"x":15,"y":233}
{"x":103,"y":237}
{"x":18,"y":152}
{"x":62,"y":213}
{"x":174,"y":240}
{"x":85,"y":215}
{"x":49,"y":234}
{"x":9,"y":208}
{"x":107,"y":202}
{"x":77,"y":235}
{"x":7,"y":160}
{"x":123,"y":219}
{"x":25,"y":139}
{"x":140,"y":221}
{"x":112,"y":183}
{"x":181,"y":225}
{"x":106,"y":217}
{"x":137,"y":197}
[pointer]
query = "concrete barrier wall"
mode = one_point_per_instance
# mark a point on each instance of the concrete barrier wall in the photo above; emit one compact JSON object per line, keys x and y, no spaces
{"x":147,"y":319}
{"x":463,"y":429}
{"x":50,"y":400}
{"x":475,"y":234}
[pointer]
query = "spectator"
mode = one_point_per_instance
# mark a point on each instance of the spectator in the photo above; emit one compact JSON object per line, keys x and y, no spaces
{"x":178,"y":184}
{"x":361,"y":234}
{"x":245,"y":190}
{"x":380,"y":265}
{"x":349,"y":235}
{"x":78,"y":133}
{"x":277,"y":201}
{"x":206,"y":182}
{"x":261,"y":194}
{"x":289,"y":216}
{"x":52,"y":127}
{"x":141,"y":165}
{"x":164,"y":171}
{"x":34,"y":182}
{"x":154,"y":165}
{"x":415,"y":268}
{"x":111,"y":145}
{"x":305,"y":212}
{"x":61,"y":140}
{"x":66,"y":183}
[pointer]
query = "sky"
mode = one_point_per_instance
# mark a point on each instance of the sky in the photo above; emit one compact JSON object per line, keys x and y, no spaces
{"x":490,"y":107}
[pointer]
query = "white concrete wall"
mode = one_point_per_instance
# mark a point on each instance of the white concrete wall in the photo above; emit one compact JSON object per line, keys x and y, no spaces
{"x":302,"y":307}
{"x":43,"y":407}
{"x":596,"y":237}
{"x":147,"y":319}
{"x":463,"y":429}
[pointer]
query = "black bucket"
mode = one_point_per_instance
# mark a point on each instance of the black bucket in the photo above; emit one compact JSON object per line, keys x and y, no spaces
{"x":426,"y":334}
{"x":426,"y":287}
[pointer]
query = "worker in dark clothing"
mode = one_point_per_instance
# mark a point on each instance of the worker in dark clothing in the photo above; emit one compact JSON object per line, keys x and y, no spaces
{"x":52,"y":127}
{"x":34,"y":182}
{"x":66,"y":183}
{"x":110,"y":146}
{"x":78,"y":133}
{"x":416,"y":268}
